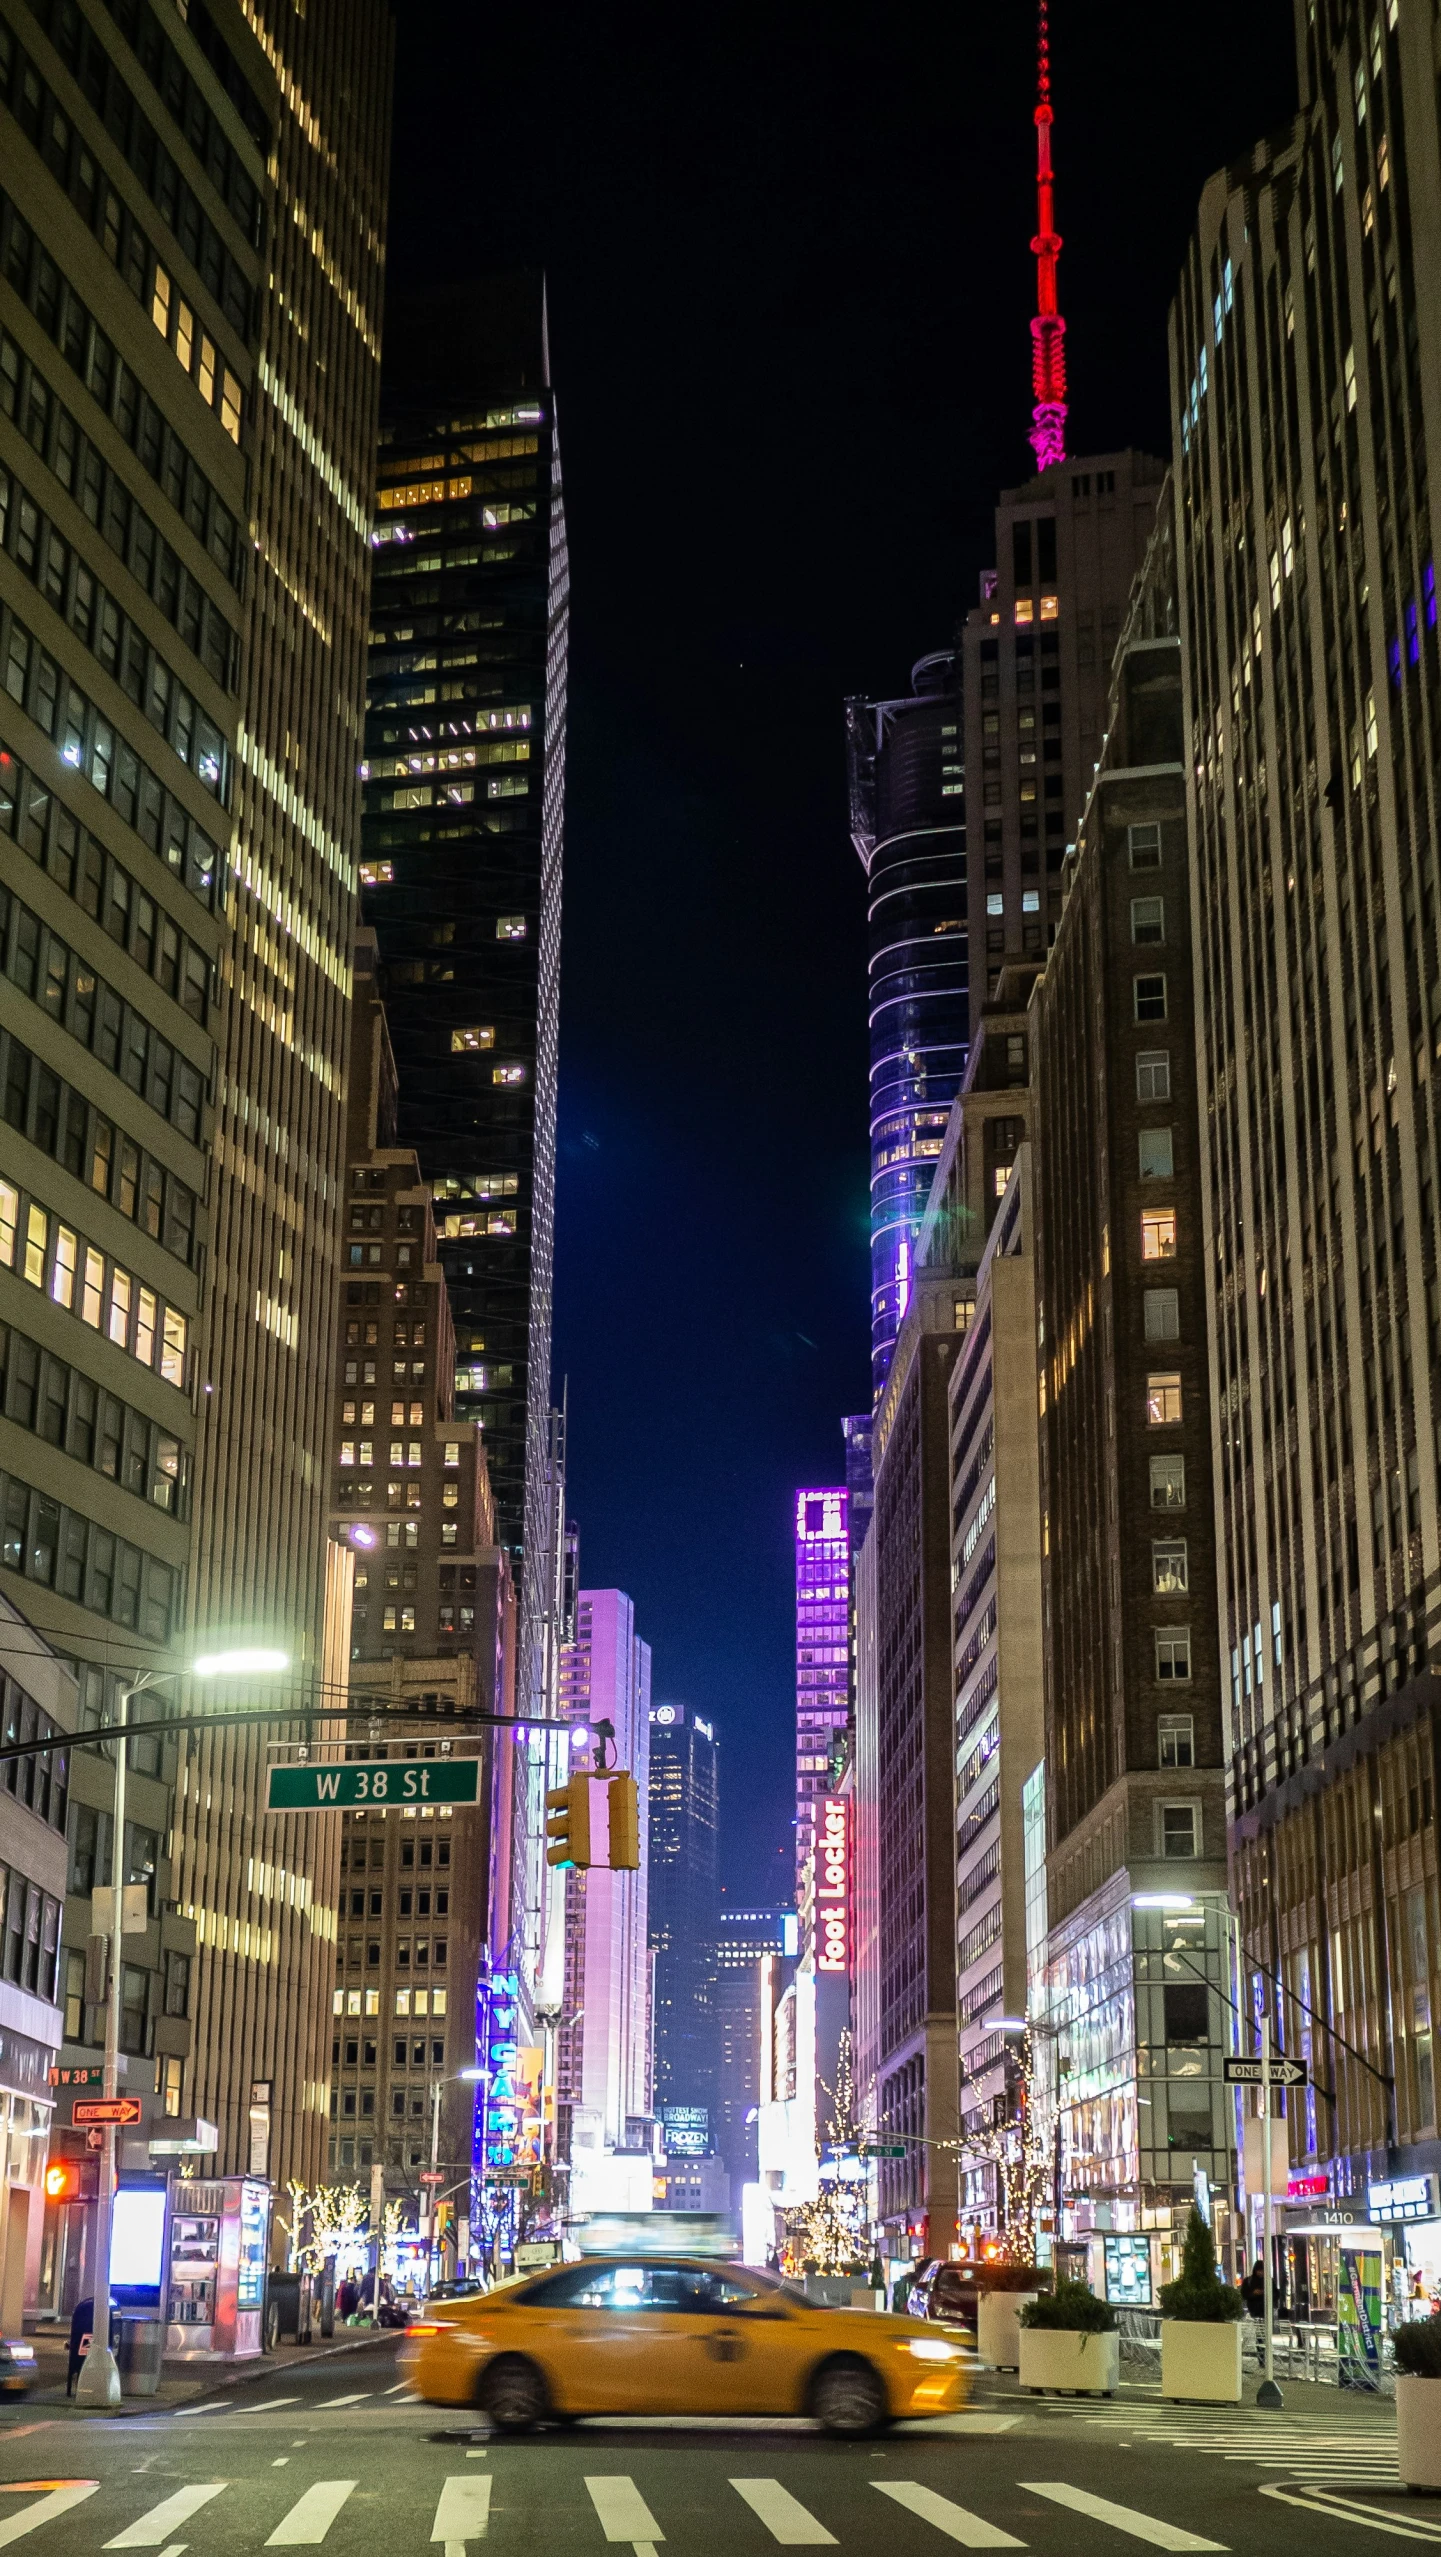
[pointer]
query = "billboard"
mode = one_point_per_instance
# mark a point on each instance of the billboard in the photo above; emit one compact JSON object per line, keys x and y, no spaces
{"x":833,"y":1883}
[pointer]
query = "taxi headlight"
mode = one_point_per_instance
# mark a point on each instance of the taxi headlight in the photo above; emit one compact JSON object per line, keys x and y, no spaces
{"x":930,"y":2348}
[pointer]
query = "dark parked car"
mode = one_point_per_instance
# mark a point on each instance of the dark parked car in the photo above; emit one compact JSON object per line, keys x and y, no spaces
{"x":945,"y":2293}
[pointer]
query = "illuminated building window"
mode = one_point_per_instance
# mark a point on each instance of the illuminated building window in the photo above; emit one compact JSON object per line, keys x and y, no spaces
{"x":507,"y":1074}
{"x":1030,"y":901}
{"x":452,"y":1451}
{"x":1170,"y":1571}
{"x":376,"y":874}
{"x":1158,"y":1235}
{"x":510,"y":927}
{"x":1050,"y":607}
{"x":1163,"y":1400}
{"x":1025,"y":611}
{"x":995,"y":902}
{"x":469,"y":1042}
{"x":1168,"y":1482}
{"x":449,"y":1532}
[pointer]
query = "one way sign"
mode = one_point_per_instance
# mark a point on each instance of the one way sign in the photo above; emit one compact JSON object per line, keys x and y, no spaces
{"x":1284,"y":2072}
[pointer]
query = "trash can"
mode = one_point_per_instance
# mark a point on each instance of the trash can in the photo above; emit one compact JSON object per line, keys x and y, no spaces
{"x":291,"y":2307}
{"x":140,"y":2353}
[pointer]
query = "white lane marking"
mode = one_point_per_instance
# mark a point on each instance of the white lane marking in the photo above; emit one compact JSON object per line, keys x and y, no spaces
{"x":399,"y":2389}
{"x":353,"y":2400}
{"x":785,"y":2519}
{"x":974,"y":2423}
{"x":307,"y":2522}
{"x":622,"y":2512}
{"x":1338,"y":2505}
{"x":154,"y":2528}
{"x":282,"y":2462}
{"x":267,"y":2404}
{"x":175,"y":2549}
{"x":61,"y":2499}
{"x":463,"y":2511}
{"x":953,"y":2519}
{"x":212,"y":2406}
{"x":1161,"y":2534}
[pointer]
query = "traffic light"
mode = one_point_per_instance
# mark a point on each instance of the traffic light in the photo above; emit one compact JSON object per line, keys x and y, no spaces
{"x":624,"y":1856}
{"x":567,"y":1823}
{"x":72,"y":2179}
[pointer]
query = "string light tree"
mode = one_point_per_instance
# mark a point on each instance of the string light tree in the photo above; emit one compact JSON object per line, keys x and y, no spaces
{"x":832,"y":2235}
{"x":1020,"y":2150}
{"x":1048,"y":329}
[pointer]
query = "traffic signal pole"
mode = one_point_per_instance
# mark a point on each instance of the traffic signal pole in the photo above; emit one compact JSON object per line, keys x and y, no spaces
{"x":99,"y":2380}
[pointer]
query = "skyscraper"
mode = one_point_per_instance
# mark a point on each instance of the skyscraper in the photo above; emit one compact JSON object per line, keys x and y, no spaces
{"x":684,"y":1900}
{"x":908,"y":824}
{"x":1306,"y":390}
{"x":464,"y":787}
{"x":744,"y":1938}
{"x":1134,"y":1788}
{"x":603,"y":2060}
{"x":185,"y":580}
{"x":823,"y":1655}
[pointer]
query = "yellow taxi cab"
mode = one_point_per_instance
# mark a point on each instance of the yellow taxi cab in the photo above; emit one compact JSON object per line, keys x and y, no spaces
{"x":676,"y":2335}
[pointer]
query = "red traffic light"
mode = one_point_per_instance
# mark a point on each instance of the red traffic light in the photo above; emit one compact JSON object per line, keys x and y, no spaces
{"x":72,"y":2179}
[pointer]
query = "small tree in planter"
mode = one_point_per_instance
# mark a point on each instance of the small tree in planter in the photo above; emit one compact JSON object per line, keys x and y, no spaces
{"x":1200,"y":2324}
{"x":1418,"y":2405}
{"x":1069,"y":2341}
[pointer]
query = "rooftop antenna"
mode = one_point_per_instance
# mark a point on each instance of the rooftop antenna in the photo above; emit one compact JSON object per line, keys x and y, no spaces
{"x":1048,"y":329}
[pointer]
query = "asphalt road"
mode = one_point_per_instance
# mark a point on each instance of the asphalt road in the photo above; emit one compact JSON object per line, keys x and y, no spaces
{"x":338,"y":2455}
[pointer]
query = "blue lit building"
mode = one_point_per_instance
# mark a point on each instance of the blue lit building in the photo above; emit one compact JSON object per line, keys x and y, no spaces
{"x":908,"y":824}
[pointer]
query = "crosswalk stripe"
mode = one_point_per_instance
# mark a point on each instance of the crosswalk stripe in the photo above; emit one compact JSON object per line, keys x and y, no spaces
{"x":622,"y":2511}
{"x":267,"y":2405}
{"x":61,"y":2499}
{"x":953,"y":2519}
{"x":1161,"y":2534}
{"x":353,"y":2400}
{"x":463,"y":2511}
{"x":307,"y":2522}
{"x":212,"y":2406}
{"x":785,"y":2519}
{"x":154,"y":2528}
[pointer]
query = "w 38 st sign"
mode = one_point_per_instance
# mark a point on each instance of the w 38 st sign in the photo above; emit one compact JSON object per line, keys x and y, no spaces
{"x":397,"y":1782}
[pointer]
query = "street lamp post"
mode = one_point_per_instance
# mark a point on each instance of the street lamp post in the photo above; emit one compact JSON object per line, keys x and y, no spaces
{"x":99,"y":2380}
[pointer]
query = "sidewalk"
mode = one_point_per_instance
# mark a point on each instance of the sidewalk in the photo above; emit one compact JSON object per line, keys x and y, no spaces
{"x":181,"y":2381}
{"x":1307,"y":2401}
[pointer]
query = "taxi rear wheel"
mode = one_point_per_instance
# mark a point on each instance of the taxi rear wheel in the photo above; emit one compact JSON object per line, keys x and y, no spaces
{"x":514,"y":2395}
{"x":848,"y":2396}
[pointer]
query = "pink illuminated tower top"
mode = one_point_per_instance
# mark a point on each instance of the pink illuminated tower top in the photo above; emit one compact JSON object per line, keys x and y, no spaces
{"x":1048,"y":329}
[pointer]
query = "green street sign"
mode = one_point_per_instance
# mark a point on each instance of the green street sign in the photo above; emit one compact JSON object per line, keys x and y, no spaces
{"x":884,"y":2148}
{"x":364,"y":1781}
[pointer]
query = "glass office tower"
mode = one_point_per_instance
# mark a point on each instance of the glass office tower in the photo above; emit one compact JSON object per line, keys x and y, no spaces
{"x":463,"y":782}
{"x":908,"y":823}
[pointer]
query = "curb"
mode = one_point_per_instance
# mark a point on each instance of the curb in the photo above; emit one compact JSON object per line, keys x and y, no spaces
{"x":234,"y":2378}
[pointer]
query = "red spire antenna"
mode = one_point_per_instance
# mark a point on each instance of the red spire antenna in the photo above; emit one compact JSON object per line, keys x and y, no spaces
{"x":1048,"y":329}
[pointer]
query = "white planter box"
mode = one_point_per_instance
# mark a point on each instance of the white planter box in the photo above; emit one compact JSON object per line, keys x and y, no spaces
{"x":1089,"y":2365}
{"x":1418,"y":2432}
{"x":1201,"y":2362}
{"x":998,"y":2330}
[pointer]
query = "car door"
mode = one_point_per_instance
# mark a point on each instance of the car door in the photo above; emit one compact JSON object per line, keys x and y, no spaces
{"x":605,"y":2347}
{"x":732,"y":2353}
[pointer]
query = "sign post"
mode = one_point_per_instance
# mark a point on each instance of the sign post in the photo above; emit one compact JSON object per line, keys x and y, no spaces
{"x":1268,"y":2394}
{"x":366,"y":1782}
{"x":1283,"y":2071}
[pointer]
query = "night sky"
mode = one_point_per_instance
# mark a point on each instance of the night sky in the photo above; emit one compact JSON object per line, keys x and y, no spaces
{"x":787,"y":250}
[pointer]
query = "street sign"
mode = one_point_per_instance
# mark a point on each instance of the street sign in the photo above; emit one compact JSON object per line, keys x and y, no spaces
{"x":373,"y":1780}
{"x":79,"y":2078}
{"x":106,"y":2108}
{"x":1283,"y":2072}
{"x":431,"y":2175}
{"x":883,"y":2148}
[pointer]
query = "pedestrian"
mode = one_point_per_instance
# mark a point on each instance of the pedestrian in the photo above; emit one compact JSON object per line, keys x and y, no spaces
{"x":1253,"y":2290}
{"x":345,"y":2299}
{"x":81,"y":2326}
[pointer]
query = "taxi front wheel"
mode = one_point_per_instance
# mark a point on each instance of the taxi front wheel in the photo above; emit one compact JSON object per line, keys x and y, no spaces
{"x":514,"y":2394}
{"x":847,"y":2396}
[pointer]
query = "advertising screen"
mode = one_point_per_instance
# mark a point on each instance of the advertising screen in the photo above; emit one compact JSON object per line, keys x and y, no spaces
{"x":137,"y":2239}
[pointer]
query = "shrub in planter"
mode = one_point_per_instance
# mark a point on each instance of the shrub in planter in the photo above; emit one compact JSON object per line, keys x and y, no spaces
{"x":1073,"y":2309}
{"x":1196,"y":2296}
{"x":1418,"y":2405}
{"x":1010,"y":2276}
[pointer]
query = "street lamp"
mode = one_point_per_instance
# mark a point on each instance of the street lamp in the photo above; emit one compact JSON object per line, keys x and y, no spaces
{"x":99,"y":2380}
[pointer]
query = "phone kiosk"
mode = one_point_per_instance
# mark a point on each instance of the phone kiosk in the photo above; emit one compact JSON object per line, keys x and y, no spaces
{"x":219,"y":2249}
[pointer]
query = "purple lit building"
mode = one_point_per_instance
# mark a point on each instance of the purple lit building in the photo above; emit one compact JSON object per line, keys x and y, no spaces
{"x":823,"y":1652}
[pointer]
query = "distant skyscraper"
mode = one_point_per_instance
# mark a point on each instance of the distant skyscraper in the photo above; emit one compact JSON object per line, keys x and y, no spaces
{"x":744,"y":1938}
{"x":684,"y":1895}
{"x":823,"y":1654}
{"x":603,"y":2060}
{"x":908,"y":824}
{"x":464,"y":786}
